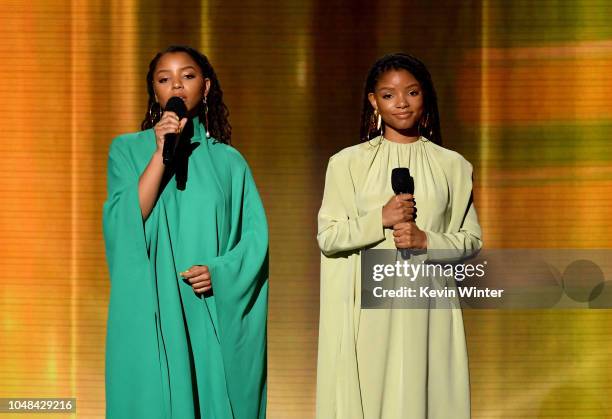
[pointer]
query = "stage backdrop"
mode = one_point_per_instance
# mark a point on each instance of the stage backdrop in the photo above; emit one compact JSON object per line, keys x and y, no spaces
{"x":524,"y":91}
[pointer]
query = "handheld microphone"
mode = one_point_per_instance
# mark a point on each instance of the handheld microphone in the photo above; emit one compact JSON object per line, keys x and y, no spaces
{"x":175,"y":104}
{"x":402,"y":182}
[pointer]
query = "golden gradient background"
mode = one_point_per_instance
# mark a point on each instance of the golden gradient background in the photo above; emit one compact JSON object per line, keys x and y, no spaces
{"x":525,"y":94}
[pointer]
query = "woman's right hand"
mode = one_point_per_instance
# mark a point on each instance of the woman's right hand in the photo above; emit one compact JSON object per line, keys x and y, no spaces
{"x":399,"y":209}
{"x":169,"y":123}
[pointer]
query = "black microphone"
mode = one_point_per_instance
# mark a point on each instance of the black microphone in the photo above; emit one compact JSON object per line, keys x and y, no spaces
{"x":402,"y":182}
{"x":177,"y":105}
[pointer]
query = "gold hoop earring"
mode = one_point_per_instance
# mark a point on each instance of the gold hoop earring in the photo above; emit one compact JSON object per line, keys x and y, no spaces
{"x":371,"y":125}
{"x":206,"y":116}
{"x":378,"y":120}
{"x":374,"y":124}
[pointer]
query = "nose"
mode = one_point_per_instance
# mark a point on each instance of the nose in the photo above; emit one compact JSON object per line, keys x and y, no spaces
{"x":177,"y":84}
{"x":402,"y":101}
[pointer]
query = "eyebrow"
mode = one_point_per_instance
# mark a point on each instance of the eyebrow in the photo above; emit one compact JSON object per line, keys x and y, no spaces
{"x":391,"y":88}
{"x":184,"y":68}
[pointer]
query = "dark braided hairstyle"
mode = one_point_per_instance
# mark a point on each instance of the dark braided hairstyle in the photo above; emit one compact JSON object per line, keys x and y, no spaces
{"x":218,"y":114}
{"x":429,"y":125}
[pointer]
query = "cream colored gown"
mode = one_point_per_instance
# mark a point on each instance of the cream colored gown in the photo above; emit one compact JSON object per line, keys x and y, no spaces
{"x":390,"y":363}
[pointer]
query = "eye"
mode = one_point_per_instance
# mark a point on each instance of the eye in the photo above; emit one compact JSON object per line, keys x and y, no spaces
{"x":387,"y":96}
{"x":414,"y":93}
{"x":190,"y":76}
{"x":163,"y":80}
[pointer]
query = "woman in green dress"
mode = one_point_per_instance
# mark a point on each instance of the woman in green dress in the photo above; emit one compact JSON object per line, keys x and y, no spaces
{"x":392,"y":363}
{"x":187,"y":250}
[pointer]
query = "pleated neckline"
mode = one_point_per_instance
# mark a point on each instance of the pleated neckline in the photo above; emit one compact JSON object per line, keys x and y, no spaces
{"x":418,"y":141}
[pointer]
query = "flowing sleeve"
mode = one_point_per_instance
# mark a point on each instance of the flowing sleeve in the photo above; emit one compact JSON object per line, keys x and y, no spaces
{"x":337,"y":231}
{"x":463,"y":232}
{"x":240,"y":286}
{"x":341,"y":231}
{"x":133,"y":386}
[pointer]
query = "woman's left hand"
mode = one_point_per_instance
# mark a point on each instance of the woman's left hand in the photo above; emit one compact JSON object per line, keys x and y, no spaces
{"x":409,"y":236}
{"x":199,"y":278}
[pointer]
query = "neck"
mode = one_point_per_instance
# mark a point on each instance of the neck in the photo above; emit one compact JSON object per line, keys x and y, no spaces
{"x":406,"y":136}
{"x":194,"y":112}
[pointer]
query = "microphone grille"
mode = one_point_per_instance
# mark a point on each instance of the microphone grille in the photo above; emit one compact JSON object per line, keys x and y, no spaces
{"x":401,"y":181}
{"x":177,"y":105}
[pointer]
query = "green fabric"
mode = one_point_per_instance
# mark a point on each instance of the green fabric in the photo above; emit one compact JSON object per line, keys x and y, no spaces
{"x":171,"y":353}
{"x":390,"y":363}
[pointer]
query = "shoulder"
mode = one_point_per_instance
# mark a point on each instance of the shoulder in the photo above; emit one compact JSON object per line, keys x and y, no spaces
{"x":351,"y":154}
{"x":126,"y":143}
{"x":229,"y":153}
{"x":449,"y":159}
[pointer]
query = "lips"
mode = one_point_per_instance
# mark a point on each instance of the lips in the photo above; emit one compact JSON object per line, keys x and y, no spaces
{"x":403,"y":114}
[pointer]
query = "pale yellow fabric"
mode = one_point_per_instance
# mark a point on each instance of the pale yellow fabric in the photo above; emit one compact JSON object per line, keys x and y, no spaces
{"x":390,"y":364}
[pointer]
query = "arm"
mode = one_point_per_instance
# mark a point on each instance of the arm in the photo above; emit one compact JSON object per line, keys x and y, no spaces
{"x":124,"y":233}
{"x":463,"y":232}
{"x":467,"y":238}
{"x":337,"y":231}
{"x":148,"y":184}
{"x":150,"y":180}
{"x":236,"y":272}
{"x":239,"y":277}
{"x":132,"y":304}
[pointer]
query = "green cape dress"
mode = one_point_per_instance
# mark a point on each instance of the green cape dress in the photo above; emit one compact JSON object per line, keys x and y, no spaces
{"x":171,"y":353}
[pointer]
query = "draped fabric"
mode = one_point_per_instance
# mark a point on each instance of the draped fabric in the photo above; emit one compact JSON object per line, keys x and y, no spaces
{"x":390,"y":363}
{"x":171,"y":353}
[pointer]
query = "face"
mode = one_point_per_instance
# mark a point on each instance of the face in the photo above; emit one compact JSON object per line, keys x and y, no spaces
{"x":398,"y":97}
{"x":177,"y":74}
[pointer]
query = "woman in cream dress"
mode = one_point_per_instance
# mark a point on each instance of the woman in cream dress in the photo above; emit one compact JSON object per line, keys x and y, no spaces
{"x":392,"y":363}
